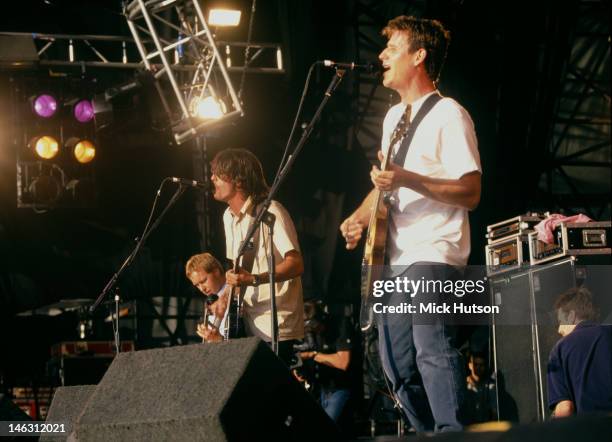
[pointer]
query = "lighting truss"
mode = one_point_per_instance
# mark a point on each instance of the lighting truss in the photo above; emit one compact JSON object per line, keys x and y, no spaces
{"x":118,"y":52}
{"x":174,"y":33}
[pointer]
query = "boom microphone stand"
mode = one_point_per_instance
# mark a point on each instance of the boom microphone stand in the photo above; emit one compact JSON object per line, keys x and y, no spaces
{"x":264,"y":213}
{"x":148,"y":230}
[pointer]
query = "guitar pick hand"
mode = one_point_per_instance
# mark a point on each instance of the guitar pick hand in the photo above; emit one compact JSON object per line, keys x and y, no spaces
{"x":219,"y":307}
{"x":208,"y":334}
{"x":239,"y":279}
{"x":351,"y":231}
{"x":389,"y":179}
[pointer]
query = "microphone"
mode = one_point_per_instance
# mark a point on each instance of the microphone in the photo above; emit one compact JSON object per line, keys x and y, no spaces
{"x":370,"y":68}
{"x":210,"y":299}
{"x":186,"y":182}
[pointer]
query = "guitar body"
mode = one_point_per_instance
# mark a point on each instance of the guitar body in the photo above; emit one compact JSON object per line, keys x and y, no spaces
{"x":373,"y":258}
{"x":235,"y":322}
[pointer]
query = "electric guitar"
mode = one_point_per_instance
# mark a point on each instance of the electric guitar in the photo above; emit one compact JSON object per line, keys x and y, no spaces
{"x":374,"y":251}
{"x":205,"y":319}
{"x":235,"y":321}
{"x":235,"y":325}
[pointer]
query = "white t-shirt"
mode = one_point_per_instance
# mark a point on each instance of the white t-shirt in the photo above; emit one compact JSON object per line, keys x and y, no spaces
{"x":444,"y":146}
{"x":256,"y":302}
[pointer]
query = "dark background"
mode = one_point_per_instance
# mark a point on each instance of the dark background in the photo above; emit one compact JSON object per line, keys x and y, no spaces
{"x":506,"y":66}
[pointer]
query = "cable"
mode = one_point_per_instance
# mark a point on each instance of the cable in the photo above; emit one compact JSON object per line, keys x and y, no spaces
{"x":296,"y":119}
{"x":148,"y":223}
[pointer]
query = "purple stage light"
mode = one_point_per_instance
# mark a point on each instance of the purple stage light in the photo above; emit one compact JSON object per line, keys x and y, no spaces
{"x":45,"y":106}
{"x":84,"y":111}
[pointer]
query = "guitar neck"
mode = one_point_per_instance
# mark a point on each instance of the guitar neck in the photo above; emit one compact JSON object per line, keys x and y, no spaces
{"x":379,"y":196}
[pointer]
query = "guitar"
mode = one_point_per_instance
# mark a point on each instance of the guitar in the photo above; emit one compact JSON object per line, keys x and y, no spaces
{"x":374,"y":251}
{"x":235,"y":322}
{"x":205,"y":319}
{"x":235,"y":325}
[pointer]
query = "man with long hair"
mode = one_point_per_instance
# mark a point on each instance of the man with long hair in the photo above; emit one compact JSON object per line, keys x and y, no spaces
{"x":238,"y":179}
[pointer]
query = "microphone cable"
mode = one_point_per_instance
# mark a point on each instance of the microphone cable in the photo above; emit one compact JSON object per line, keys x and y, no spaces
{"x":296,"y":119}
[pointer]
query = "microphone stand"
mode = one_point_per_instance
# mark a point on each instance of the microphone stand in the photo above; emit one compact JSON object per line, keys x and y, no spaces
{"x":111,"y":283}
{"x":115,"y":323}
{"x":270,"y":218}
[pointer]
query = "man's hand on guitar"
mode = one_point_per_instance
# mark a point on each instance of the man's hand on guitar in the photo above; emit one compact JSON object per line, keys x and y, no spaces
{"x":386,"y":180}
{"x":351,"y":231}
{"x":219,"y":307}
{"x":239,"y":279}
{"x":208,"y":334}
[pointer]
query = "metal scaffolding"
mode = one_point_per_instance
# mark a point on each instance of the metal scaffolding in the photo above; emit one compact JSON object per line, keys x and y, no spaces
{"x":576,"y":173}
{"x":165,"y":29}
{"x":120,"y":52}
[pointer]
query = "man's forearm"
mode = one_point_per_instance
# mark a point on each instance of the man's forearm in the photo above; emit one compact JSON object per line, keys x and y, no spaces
{"x":290,"y":267}
{"x":363,"y":212}
{"x":339,"y":360}
{"x":463,"y":192}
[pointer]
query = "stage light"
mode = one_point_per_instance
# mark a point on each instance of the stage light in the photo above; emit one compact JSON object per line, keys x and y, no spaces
{"x":84,"y":151}
{"x":45,"y":105}
{"x":83,"y":111}
{"x":207,"y":108}
{"x":56,"y":158}
{"x":46,"y":147}
{"x":224,"y":17}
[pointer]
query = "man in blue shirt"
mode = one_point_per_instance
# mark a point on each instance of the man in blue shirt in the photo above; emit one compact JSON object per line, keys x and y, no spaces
{"x":580,"y":365}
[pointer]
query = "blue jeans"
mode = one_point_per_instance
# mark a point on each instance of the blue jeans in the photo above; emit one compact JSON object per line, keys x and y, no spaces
{"x":333,"y":402}
{"x":420,"y":357}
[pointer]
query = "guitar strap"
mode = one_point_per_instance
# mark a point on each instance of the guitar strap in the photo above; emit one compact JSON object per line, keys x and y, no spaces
{"x":248,"y":258}
{"x":430,"y":102}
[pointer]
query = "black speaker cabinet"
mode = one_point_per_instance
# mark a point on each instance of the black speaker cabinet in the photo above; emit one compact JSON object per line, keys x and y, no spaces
{"x":67,"y":405}
{"x":235,"y":390}
{"x":11,"y":412}
{"x":525,"y":330}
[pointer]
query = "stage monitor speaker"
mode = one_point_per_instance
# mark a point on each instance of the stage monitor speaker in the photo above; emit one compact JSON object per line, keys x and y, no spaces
{"x":11,"y":412}
{"x":67,"y":405}
{"x":234,"y":390}
{"x":587,"y":428}
{"x":525,"y":330}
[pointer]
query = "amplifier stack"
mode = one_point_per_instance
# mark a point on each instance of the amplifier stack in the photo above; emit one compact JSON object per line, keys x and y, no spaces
{"x":526,"y":276}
